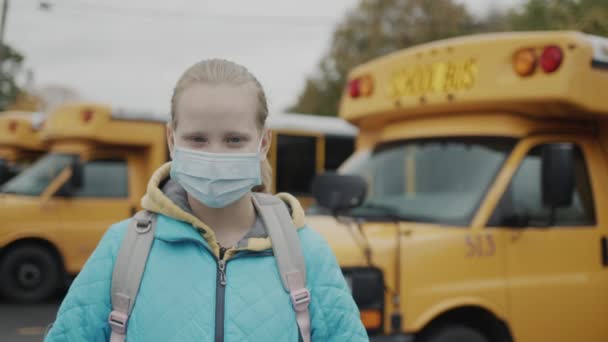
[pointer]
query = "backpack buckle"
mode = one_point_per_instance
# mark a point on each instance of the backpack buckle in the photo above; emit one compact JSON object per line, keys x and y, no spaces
{"x":118,"y":322}
{"x":300,"y":299}
{"x":143,"y":226}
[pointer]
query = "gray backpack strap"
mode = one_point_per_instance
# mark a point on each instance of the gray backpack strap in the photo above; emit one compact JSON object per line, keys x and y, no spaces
{"x":128,"y":271}
{"x":288,"y":253}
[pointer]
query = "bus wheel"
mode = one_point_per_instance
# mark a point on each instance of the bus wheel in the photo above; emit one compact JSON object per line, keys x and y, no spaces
{"x":29,"y":274}
{"x":453,"y":333}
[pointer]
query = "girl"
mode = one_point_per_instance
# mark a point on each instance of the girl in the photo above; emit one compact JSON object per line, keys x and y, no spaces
{"x":210,"y":274}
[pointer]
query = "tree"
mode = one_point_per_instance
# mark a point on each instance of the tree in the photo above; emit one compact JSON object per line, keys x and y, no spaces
{"x":372,"y":29}
{"x":377,"y":27}
{"x":582,"y":15}
{"x":10,"y":64}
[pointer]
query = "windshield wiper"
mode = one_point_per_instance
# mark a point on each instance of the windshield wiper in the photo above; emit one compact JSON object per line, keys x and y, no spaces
{"x":377,"y":211}
{"x":391,"y":213}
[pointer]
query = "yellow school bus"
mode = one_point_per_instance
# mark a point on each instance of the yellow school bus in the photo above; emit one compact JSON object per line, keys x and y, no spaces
{"x":304,"y":146}
{"x":20,"y":141}
{"x":95,"y":173}
{"x":474,"y":207}
{"x":55,"y":211}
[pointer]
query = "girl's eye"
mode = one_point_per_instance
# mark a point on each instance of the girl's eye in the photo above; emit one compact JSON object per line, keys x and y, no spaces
{"x":198,"y":139}
{"x":234,"y":140}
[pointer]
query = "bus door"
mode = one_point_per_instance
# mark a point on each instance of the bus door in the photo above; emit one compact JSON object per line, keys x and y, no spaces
{"x":557,"y":270}
{"x":101,"y":200}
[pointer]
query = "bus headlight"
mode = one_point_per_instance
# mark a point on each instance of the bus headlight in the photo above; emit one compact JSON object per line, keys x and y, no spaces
{"x":367,"y":287}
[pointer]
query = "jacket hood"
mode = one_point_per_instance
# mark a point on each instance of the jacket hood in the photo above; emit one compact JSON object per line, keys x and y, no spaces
{"x":166,"y":197}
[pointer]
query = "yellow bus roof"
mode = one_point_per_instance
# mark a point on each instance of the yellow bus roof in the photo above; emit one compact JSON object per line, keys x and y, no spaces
{"x":324,"y":125}
{"x":100,"y":123}
{"x":476,"y":73}
{"x":21,"y":130}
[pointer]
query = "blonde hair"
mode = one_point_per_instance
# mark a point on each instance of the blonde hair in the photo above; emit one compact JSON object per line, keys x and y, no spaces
{"x":220,"y":71}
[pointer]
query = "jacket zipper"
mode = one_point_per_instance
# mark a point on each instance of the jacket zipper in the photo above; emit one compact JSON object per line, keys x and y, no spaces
{"x":220,"y":290}
{"x":220,"y":296}
{"x":220,"y":284}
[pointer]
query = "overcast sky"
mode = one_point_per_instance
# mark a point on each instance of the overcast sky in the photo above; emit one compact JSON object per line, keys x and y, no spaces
{"x":129,"y":53}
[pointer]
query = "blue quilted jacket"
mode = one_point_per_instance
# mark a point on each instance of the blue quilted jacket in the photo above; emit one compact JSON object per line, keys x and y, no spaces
{"x":177,"y":297}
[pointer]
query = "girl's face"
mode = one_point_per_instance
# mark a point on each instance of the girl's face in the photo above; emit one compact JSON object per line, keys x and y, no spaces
{"x":218,"y":119}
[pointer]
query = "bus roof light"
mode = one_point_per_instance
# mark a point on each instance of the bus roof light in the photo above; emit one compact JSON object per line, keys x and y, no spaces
{"x":87,"y":115}
{"x":551,"y":58}
{"x":354,"y":88}
{"x":366,"y":85}
{"x":12,"y":126}
{"x":361,"y":86}
{"x":524,"y":62}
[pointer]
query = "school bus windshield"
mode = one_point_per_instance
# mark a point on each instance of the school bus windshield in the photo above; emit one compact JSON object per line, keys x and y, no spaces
{"x":33,"y":180}
{"x":431,"y":180}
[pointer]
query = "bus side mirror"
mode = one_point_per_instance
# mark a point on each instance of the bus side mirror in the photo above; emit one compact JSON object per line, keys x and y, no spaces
{"x":77,"y":179}
{"x":557,"y":171}
{"x":339,"y":192}
{"x":5,"y":171}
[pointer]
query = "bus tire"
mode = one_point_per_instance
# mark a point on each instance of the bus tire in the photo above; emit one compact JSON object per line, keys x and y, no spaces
{"x":29,"y":273}
{"x":453,"y":333}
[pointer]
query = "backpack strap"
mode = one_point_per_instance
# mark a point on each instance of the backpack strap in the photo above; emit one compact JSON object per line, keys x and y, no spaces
{"x":288,"y":253}
{"x":128,"y":271}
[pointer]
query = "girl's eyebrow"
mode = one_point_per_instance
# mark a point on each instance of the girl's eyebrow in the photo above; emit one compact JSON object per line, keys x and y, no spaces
{"x":193,"y":133}
{"x":236,"y":133}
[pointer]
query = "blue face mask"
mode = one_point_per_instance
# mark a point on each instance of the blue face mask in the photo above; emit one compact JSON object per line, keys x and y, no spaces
{"x":216,"y":179}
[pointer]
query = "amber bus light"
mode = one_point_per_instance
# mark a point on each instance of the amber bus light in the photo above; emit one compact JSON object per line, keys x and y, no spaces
{"x":524,"y":62}
{"x":372,"y":319}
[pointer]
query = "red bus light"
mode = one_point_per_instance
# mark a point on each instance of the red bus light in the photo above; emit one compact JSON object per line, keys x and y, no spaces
{"x":12,"y":126}
{"x":361,"y":86}
{"x":87,"y":115}
{"x":354,"y":88}
{"x":551,"y":58}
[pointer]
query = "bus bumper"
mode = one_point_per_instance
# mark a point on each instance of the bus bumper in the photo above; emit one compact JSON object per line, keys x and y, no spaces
{"x":392,"y":338}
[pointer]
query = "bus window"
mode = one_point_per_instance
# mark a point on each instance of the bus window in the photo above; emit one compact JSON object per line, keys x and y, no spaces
{"x":34,"y":180}
{"x":439,"y":180}
{"x":337,"y":150}
{"x":104,"y":178}
{"x":522,"y":204}
{"x":296,"y":163}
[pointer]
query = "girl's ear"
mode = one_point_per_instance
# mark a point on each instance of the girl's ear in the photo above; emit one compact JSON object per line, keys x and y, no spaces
{"x":266,"y":141}
{"x":170,"y":141}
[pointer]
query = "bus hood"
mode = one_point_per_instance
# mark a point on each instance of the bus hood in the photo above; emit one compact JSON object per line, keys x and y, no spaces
{"x":20,"y":214}
{"x":340,"y":238}
{"x":348,"y":244}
